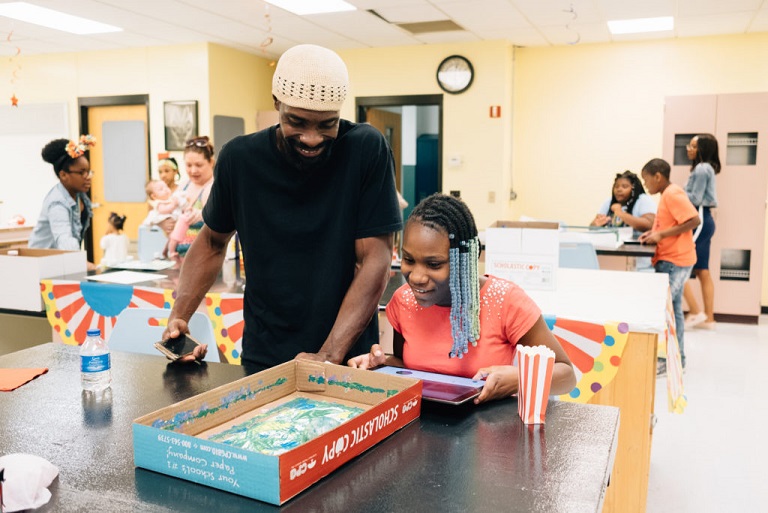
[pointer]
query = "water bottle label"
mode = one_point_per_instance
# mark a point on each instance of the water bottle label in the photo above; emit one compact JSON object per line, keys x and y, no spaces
{"x":96,"y":363}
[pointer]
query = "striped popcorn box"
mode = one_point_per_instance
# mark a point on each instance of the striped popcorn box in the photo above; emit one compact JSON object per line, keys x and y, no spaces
{"x":535,"y":366}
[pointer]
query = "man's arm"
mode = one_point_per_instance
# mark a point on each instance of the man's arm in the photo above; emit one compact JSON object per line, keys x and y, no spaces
{"x":374,"y":257}
{"x":198,"y":272}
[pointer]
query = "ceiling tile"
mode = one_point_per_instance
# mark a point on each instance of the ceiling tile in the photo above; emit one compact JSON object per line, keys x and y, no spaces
{"x":735,"y":23}
{"x":703,"y":7}
{"x":613,"y":10}
{"x":482,"y":15}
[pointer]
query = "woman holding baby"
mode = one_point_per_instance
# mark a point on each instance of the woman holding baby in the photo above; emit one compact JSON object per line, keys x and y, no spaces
{"x":199,"y":162}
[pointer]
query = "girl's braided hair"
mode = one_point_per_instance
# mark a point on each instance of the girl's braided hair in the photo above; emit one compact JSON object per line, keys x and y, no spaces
{"x":450,"y":215}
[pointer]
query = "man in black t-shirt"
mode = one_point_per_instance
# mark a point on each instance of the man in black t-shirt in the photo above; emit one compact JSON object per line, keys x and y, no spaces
{"x":314,"y":204}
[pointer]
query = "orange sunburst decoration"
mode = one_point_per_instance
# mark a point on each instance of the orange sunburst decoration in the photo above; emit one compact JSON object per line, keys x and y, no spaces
{"x":595,"y":351}
{"x":73,"y":307}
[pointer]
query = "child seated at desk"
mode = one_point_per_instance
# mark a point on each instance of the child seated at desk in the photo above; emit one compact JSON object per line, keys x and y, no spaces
{"x":445,"y":306}
{"x":166,"y":212}
{"x":629,"y":205}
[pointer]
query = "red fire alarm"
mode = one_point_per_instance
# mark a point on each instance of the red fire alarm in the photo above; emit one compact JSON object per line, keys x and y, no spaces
{"x":495,"y":111}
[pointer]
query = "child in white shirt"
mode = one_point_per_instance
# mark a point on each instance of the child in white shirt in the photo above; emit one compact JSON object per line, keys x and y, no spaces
{"x":114,"y":243}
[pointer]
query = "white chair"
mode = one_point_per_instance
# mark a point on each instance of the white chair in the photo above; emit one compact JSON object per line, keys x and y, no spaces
{"x":152,"y":241}
{"x":578,"y":255}
{"x":134,"y":332}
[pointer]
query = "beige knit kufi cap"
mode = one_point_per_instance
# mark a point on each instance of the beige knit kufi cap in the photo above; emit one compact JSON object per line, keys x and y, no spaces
{"x":311,"y":77}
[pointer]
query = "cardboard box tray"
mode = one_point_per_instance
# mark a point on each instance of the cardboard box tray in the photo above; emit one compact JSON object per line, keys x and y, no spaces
{"x":174,"y":440}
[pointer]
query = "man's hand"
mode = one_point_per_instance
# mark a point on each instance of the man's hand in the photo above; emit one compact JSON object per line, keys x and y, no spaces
{"x":371,"y":360}
{"x":321,"y":356}
{"x":177,"y":327}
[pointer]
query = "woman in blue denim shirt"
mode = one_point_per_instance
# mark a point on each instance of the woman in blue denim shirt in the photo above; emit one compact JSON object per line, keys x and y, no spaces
{"x":66,"y":212}
{"x":705,"y":164}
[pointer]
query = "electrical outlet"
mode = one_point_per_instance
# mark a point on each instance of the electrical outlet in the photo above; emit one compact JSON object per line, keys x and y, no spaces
{"x":491,"y":196}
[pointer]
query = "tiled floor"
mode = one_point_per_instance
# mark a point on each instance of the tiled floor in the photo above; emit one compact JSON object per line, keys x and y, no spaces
{"x":714,"y":457}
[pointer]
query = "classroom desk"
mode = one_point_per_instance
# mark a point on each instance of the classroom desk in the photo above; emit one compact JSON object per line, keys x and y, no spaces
{"x":467,"y":459}
{"x":638,"y":299}
{"x":623,"y":258}
{"x":15,"y":236}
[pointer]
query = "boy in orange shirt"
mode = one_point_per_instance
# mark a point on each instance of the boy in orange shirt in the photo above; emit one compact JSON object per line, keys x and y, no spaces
{"x":672,"y":233}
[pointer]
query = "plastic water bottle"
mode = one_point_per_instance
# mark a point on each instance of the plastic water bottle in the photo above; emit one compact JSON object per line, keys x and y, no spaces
{"x":95,"y":363}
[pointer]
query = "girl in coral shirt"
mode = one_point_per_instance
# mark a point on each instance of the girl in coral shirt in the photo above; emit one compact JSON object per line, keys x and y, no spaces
{"x":449,"y":320}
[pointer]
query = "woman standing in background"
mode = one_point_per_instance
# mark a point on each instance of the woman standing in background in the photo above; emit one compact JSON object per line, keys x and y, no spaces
{"x":199,"y":162}
{"x":705,"y":164}
{"x":66,"y":213}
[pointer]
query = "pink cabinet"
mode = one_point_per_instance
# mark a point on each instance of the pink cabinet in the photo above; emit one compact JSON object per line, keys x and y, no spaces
{"x":740,"y":123}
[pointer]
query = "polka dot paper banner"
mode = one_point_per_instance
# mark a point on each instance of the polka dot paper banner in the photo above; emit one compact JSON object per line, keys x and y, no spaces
{"x":226,"y":314}
{"x":74,"y":307}
{"x":669,"y":349}
{"x":595,"y":351}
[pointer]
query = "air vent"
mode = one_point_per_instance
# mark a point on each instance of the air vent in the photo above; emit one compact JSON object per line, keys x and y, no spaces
{"x":423,"y":27}
{"x":430,"y":26}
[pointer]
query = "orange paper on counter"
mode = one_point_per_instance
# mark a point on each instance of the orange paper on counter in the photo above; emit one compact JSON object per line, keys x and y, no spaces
{"x":11,"y":379}
{"x":535,"y":366}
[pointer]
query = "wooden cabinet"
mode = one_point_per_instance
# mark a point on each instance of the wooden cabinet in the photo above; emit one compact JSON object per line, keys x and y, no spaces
{"x":740,"y":123}
{"x":14,"y":237}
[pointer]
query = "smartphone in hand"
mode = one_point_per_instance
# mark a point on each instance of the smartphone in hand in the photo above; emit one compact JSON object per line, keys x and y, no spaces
{"x":175,"y":348}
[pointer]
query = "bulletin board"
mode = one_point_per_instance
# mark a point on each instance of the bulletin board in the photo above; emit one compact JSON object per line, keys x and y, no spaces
{"x":26,"y":177}
{"x":125,"y":161}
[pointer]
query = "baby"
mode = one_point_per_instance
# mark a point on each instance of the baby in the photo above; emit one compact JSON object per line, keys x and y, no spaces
{"x":166,"y":212}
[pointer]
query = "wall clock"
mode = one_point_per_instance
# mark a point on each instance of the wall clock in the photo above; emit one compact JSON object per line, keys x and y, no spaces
{"x":455,"y":74}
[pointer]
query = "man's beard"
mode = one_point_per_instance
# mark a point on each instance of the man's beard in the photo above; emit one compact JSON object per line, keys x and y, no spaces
{"x":290,"y":148}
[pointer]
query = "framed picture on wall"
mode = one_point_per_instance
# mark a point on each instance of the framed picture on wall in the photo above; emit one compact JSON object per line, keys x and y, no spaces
{"x":180,"y":123}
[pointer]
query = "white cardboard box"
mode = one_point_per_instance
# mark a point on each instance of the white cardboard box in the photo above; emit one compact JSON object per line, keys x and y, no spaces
{"x":20,"y":274}
{"x":526,"y":253}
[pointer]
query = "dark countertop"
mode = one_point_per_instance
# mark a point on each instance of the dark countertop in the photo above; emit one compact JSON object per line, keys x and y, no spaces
{"x":467,"y":459}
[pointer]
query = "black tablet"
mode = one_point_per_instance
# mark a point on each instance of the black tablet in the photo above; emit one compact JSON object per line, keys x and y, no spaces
{"x":440,"y":388}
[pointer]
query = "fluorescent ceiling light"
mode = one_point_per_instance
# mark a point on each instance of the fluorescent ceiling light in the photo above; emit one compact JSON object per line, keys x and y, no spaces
{"x":302,"y":7}
{"x":639,"y":25}
{"x":29,"y":13}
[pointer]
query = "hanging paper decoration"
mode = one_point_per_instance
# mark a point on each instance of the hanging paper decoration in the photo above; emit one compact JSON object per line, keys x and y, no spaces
{"x":15,"y":70}
{"x":568,"y":27}
{"x":269,"y":39}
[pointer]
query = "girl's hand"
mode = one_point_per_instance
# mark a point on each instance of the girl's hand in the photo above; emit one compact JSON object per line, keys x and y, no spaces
{"x":501,"y":381}
{"x":601,"y":220}
{"x":616,"y":208}
{"x":370,"y":360}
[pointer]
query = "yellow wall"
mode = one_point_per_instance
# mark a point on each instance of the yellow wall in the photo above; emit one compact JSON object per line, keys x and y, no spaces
{"x":164,"y":73}
{"x":482,"y":143}
{"x":240,"y":84}
{"x":586,"y":112}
